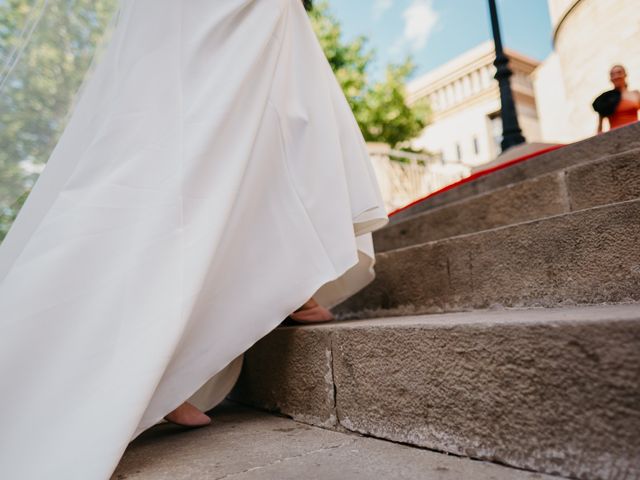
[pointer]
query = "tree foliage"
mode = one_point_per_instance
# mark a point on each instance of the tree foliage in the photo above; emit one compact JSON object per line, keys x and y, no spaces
{"x":38,"y":93}
{"x":380,"y":107}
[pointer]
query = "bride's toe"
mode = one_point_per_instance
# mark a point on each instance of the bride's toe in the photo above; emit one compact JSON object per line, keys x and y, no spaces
{"x":189,"y":416}
{"x":312,"y":312}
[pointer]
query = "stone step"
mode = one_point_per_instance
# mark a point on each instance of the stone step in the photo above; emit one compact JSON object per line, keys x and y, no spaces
{"x":246,"y":444}
{"x":586,"y":257}
{"x":600,"y":182}
{"x":611,"y":143}
{"x":550,"y":390}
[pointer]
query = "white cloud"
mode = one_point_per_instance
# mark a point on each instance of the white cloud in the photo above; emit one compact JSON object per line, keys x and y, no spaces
{"x":419,"y":21}
{"x":380,"y":7}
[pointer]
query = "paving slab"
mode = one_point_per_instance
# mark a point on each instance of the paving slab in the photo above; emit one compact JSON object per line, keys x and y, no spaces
{"x":247,"y":444}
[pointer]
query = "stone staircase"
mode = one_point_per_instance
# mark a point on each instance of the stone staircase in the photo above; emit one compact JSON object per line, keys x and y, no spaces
{"x":503,"y":324}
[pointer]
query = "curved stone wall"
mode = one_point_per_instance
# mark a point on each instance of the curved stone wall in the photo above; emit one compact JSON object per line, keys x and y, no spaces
{"x":590,"y":37}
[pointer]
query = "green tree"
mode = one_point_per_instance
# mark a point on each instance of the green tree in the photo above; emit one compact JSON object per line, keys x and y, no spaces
{"x":37,"y":94}
{"x":380,"y":107}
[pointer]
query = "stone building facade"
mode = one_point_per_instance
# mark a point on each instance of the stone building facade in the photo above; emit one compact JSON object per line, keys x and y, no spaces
{"x":465,"y":100}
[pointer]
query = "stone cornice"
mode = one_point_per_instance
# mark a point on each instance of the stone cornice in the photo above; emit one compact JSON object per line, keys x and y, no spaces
{"x":556,"y":30}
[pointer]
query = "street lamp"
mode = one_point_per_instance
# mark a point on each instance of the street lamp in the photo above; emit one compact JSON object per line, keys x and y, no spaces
{"x":511,"y":133}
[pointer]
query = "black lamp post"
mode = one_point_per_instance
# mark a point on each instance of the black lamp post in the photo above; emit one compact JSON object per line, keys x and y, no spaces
{"x":511,"y":133}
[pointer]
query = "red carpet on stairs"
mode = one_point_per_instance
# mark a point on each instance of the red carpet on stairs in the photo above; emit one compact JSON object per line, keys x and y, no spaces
{"x":479,"y":174}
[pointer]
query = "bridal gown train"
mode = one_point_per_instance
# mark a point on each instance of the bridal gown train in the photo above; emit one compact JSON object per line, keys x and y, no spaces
{"x":210,"y":180}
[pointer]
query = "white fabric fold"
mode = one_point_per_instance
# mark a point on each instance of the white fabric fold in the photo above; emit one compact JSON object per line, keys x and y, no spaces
{"x":211,"y":179}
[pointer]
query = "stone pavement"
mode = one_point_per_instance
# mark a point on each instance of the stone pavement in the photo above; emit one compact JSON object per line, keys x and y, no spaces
{"x":247,"y":444}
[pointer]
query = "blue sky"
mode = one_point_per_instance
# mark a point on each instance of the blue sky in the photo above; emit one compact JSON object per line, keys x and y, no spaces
{"x":434,"y":31}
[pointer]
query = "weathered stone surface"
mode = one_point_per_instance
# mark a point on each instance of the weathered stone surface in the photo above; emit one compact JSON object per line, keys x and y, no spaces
{"x":596,"y":183}
{"x":550,"y":390}
{"x":539,"y":197}
{"x":244,"y":444}
{"x":555,"y":396}
{"x":587,"y":257}
{"x":284,"y":374}
{"x":600,"y":182}
{"x":611,"y":143}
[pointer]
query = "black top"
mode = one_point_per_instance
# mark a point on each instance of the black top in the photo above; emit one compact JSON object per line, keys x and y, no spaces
{"x":606,"y":103}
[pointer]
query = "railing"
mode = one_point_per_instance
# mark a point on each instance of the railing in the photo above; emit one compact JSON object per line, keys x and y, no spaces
{"x":404,"y":176}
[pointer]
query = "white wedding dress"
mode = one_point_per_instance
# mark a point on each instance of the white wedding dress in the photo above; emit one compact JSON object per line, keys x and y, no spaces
{"x":211,"y":179}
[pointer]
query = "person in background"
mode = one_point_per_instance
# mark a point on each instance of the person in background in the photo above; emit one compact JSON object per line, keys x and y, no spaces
{"x":620,"y":106}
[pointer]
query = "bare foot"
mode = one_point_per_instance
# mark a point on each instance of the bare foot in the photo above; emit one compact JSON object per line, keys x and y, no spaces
{"x":311,"y":312}
{"x":307,"y":305}
{"x":189,"y":416}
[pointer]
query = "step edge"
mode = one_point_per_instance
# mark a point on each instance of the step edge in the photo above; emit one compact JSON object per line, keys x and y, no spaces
{"x":582,"y":314}
{"x":511,"y":225}
{"x":577,"y":146}
{"x":471,"y":198}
